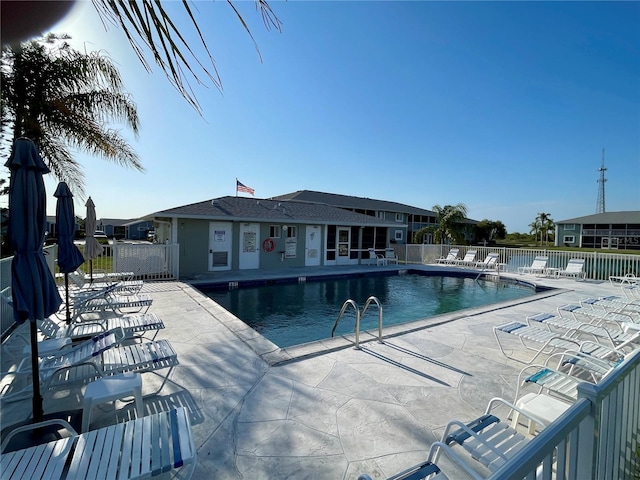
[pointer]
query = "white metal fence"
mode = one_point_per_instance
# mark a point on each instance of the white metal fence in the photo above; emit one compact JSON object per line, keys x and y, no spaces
{"x":146,"y":261}
{"x":595,"y":439}
{"x":598,"y":265}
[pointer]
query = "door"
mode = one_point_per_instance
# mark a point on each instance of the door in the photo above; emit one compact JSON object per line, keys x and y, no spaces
{"x":220,"y":246}
{"x":312,"y":246}
{"x":344,"y":236}
{"x":249,"y":246}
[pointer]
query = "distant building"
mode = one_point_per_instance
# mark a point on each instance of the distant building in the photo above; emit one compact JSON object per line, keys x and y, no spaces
{"x":609,"y":230}
{"x":408,"y":219}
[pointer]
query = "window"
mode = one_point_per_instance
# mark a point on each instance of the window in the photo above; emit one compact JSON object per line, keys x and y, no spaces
{"x":399,"y":236}
{"x":274,"y":231}
{"x":292,"y":232}
{"x":399,"y":217}
{"x":569,"y":226}
{"x":380,"y":214}
{"x":569,"y":239}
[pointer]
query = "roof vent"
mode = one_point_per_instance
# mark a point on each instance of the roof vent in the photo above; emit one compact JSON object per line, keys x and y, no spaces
{"x":215,"y":201}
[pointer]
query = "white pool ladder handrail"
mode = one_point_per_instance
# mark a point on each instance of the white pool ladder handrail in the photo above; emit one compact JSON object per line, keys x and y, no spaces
{"x":359,"y":314}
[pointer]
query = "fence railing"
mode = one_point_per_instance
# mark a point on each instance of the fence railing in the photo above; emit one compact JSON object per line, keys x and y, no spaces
{"x":598,"y":265}
{"x":146,"y":261}
{"x":597,"y":438}
{"x":6,"y":313}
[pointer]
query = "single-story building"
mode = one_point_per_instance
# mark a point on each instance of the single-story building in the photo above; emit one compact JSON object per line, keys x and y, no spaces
{"x":609,"y":230}
{"x":237,"y":233}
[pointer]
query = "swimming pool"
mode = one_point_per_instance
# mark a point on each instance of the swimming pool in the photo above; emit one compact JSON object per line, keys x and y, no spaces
{"x":295,"y":313}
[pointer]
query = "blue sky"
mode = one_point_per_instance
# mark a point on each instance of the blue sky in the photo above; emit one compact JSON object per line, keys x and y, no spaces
{"x":502,"y":106}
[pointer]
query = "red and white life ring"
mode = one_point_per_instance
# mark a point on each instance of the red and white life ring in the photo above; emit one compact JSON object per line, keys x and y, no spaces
{"x":269,"y":245}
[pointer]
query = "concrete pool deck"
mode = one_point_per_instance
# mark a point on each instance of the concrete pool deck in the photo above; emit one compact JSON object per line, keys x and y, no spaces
{"x":259,"y":412}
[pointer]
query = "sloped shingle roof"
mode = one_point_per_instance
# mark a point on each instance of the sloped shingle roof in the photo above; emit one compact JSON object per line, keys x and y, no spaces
{"x":607,"y":217}
{"x":250,"y":209}
{"x":347,"y":201}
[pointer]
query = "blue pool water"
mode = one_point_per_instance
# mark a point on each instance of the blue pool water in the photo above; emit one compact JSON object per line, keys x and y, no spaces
{"x":292,"y":314}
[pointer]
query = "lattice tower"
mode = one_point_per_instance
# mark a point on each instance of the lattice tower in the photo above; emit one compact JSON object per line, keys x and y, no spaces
{"x":600,"y":208}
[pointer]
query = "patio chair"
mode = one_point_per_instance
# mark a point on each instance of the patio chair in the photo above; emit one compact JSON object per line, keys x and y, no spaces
{"x":62,"y":371}
{"x":107,"y":299}
{"x":133,"y":325}
{"x":537,"y":267}
{"x":100,"y":275}
{"x":428,"y":470}
{"x":468,"y":260}
{"x":627,"y":278}
{"x":613,"y":303}
{"x":574,"y":269}
{"x":140,"y":448}
{"x":611,"y":331}
{"x":61,"y":360}
{"x":550,"y":380}
{"x":451,"y":257}
{"x":542,"y":341}
{"x":490,"y":262}
{"x":80,"y":284}
{"x":488,"y":439}
{"x":390,"y":256}
{"x":597,"y":315}
{"x":546,"y":341}
{"x":379,"y":259}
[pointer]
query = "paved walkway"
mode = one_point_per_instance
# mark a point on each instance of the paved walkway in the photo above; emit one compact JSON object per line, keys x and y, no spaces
{"x":325,"y":415}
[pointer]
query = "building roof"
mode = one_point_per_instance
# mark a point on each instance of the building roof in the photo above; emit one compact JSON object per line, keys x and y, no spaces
{"x":347,"y":201}
{"x":278,"y":211}
{"x":626,"y":217}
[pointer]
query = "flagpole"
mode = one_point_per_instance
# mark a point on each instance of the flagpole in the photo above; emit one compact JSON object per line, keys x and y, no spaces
{"x":236,"y":186}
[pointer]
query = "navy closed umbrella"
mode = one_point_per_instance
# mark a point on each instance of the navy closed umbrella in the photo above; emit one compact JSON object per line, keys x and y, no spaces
{"x":69,"y":256}
{"x":33,"y":288}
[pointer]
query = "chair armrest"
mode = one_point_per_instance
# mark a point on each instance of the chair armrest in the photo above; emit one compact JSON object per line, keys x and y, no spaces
{"x":33,"y":426}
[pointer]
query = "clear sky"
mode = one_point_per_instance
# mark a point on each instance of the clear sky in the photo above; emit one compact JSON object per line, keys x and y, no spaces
{"x":503,"y":106}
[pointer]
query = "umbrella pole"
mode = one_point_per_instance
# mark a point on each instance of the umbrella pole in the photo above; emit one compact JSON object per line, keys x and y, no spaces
{"x":90,"y":271}
{"x":38,"y":411}
{"x":66,"y":291}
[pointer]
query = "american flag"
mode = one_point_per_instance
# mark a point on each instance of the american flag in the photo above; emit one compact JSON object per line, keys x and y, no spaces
{"x":243,"y":188}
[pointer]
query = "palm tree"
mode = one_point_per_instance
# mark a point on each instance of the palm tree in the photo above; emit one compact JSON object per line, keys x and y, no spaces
{"x":147,"y":25}
{"x":448,"y":224}
{"x":543,"y":223}
{"x":63,"y":99}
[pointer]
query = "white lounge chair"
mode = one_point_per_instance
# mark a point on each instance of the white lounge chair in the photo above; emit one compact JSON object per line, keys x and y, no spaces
{"x":451,"y":257}
{"x":390,"y":256}
{"x":133,"y":325}
{"x":101,"y":275}
{"x":627,"y":278}
{"x":488,"y":439}
{"x":574,"y":269}
{"x":611,"y":331}
{"x":428,"y":470}
{"x":594,"y":314}
{"x":55,"y":362}
{"x":80,"y":284}
{"x":537,"y":267}
{"x":136,"y":449}
{"x":490,"y":262}
{"x":613,"y":303}
{"x":376,"y":257}
{"x":105,"y":299}
{"x":106,"y":357}
{"x":468,"y":260}
{"x":542,"y":341}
